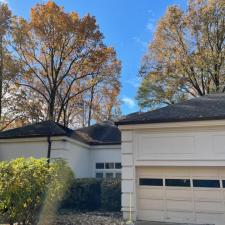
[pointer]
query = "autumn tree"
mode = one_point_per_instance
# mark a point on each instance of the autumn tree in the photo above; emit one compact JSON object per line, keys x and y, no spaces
{"x":5,"y":20}
{"x":9,"y":67}
{"x":186,"y":57}
{"x":63,"y":56}
{"x":102,"y":101}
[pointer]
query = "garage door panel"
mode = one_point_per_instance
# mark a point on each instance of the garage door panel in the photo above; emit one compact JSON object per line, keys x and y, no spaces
{"x":151,"y":204}
{"x":207,"y":194}
{"x":180,"y":194}
{"x":179,"y":205}
{"x":207,"y":172}
{"x":222,"y":172}
{"x":152,"y":172}
{"x":173,"y":172}
{"x":154,"y":215}
{"x":209,"y":206}
{"x":150,"y":193}
{"x":178,"y":201}
{"x":175,"y":216}
{"x":210,"y":218}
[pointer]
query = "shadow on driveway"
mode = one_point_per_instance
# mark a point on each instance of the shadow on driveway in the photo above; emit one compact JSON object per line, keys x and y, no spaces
{"x":161,"y":223}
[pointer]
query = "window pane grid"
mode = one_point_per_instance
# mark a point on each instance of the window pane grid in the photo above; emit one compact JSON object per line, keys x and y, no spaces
{"x":107,"y":170}
{"x":206,"y":183}
{"x":178,"y":182}
{"x":195,"y":183}
{"x":118,"y":166}
{"x":223,"y":183}
{"x":151,"y":182}
{"x":109,"y":165}
{"x":99,"y":166}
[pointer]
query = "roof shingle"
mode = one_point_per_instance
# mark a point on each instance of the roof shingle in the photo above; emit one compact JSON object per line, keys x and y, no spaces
{"x":209,"y":107}
{"x":99,"y":134}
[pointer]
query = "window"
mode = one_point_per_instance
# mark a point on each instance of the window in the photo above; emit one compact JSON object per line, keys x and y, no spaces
{"x":223,"y":183}
{"x":178,"y":182}
{"x":109,"y":175}
{"x":99,"y":165}
{"x":118,"y":165}
{"x":118,"y":175}
{"x":109,"y":165}
{"x":206,"y":183}
{"x":108,"y":170}
{"x":99,"y":175}
{"x":151,"y":182}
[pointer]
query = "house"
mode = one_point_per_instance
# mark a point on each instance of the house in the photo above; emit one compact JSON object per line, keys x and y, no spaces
{"x":173,"y":158}
{"x":94,"y":151}
{"x":173,"y":162}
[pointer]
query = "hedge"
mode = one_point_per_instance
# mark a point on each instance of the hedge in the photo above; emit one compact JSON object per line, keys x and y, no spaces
{"x":111,"y":195}
{"x":31,"y":189}
{"x":92,"y":194}
{"x":85,"y":195}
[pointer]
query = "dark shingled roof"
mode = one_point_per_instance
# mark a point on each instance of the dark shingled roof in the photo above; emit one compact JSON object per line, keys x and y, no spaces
{"x":209,"y":107}
{"x":99,"y":134}
{"x":42,"y":129}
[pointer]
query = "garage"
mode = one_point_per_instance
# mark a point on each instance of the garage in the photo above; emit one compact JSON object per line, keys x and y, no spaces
{"x":181,"y":194}
{"x":173,"y":163}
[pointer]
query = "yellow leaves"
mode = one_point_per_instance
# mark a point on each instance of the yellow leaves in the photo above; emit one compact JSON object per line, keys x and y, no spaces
{"x":51,"y":23}
{"x":186,"y":55}
{"x":62,"y":56}
{"x":5,"y":18}
{"x":74,"y":17}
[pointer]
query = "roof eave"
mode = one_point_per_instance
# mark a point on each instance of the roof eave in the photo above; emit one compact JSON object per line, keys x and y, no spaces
{"x":33,"y":136}
{"x":134,"y":122}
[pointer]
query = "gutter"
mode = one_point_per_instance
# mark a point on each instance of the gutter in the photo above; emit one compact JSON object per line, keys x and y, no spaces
{"x":49,"y":148}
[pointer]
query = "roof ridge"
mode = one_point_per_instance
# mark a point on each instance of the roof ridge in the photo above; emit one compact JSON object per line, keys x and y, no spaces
{"x":62,"y":126}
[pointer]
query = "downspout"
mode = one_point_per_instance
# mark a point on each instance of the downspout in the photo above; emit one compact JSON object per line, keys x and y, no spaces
{"x":49,"y":148}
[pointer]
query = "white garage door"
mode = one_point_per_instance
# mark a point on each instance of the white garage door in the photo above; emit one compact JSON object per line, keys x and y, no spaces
{"x":181,"y":194}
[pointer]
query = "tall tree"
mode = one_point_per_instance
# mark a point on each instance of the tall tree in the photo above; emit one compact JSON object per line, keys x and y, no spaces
{"x":103,"y":103}
{"x":9,"y":67}
{"x":186,"y":56}
{"x":63,"y":56}
{"x":5,"y":21}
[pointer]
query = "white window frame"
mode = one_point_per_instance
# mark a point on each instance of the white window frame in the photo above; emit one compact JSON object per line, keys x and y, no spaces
{"x":113,"y":170}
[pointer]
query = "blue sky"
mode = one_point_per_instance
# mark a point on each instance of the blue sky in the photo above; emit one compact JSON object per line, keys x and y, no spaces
{"x":128,"y":26}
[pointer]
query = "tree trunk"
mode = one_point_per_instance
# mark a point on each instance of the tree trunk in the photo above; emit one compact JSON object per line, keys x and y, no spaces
{"x":90,"y":107}
{"x":83,"y":111}
{"x":52,"y":105}
{"x":1,"y":74}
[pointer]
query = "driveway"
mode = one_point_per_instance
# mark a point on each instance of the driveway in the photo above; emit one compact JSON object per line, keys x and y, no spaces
{"x":159,"y":223}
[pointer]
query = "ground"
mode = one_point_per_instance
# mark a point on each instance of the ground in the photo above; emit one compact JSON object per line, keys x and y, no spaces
{"x":94,"y":218}
{"x":159,"y":223}
{"x":97,"y":218}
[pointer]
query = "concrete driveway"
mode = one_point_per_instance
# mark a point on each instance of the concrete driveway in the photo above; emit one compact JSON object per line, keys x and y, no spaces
{"x":159,"y":223}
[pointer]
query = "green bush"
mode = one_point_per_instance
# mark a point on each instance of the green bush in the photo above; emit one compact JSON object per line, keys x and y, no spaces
{"x":31,"y":189}
{"x":91,"y":194}
{"x":85,"y":195}
{"x":111,"y":195}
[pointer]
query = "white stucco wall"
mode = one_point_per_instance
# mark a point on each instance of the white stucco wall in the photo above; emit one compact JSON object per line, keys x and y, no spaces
{"x":169,"y":144}
{"x":104,"y":153}
{"x":14,"y":148}
{"x":81,"y":157}
{"x":77,"y":155}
